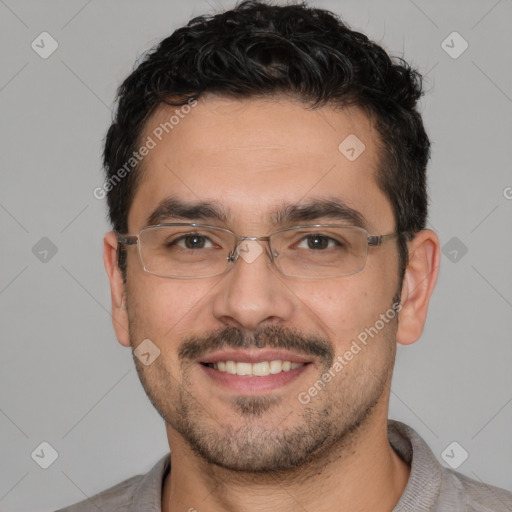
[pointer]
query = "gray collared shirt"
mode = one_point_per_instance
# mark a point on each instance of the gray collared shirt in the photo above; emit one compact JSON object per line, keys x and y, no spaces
{"x":431,"y":487}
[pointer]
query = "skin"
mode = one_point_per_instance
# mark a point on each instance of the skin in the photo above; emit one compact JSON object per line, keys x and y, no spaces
{"x":252,"y":156}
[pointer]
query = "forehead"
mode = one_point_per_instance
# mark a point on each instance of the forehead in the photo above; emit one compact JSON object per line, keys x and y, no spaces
{"x":255,"y":156}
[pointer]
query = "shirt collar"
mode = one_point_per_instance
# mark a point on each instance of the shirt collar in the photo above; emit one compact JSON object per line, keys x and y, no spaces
{"x":148,"y":494}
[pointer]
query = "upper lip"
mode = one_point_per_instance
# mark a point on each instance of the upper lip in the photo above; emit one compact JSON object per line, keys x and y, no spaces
{"x":253,"y":356}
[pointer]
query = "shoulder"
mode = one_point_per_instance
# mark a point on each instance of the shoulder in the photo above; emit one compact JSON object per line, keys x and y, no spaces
{"x":436,"y":488}
{"x":479,"y":496}
{"x":140,"y":492}
{"x":119,"y":497}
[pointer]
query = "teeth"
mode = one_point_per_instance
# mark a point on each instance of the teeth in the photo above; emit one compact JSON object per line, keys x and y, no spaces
{"x":276,"y":367}
{"x":261,"y":369}
{"x":243,"y":368}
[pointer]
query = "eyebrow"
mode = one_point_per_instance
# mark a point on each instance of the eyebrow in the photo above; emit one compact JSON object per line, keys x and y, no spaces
{"x":315,"y":209}
{"x":172,"y":208}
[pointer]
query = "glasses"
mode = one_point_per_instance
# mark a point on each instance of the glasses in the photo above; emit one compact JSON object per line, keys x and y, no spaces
{"x":191,"y":251}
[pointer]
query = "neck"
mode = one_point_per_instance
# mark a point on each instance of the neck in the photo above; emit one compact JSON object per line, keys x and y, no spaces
{"x":363,"y":474}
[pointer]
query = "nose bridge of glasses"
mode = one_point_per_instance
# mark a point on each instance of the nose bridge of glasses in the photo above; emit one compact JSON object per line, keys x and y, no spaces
{"x":249,"y":248}
{"x":254,"y":238}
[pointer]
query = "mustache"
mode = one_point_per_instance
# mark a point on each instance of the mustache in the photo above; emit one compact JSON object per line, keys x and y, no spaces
{"x":194,"y":347}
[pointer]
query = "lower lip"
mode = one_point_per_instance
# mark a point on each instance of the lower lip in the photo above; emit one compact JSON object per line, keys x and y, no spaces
{"x":253,"y":385}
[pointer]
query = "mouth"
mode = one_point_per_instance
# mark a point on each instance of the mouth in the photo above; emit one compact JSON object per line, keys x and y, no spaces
{"x":254,"y":372}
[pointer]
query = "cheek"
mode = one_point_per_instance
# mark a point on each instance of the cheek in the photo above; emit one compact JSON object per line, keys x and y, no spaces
{"x":345,"y":307}
{"x":165,"y":309}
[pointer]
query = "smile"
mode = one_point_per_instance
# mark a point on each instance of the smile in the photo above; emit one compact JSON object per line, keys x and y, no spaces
{"x":258,"y":369}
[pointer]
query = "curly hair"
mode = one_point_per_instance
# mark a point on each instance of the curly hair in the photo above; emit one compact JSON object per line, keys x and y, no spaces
{"x":258,"y":49}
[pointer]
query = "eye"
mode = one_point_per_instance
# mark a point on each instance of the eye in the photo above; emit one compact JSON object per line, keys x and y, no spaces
{"x":317,"y":241}
{"x":192,"y":241}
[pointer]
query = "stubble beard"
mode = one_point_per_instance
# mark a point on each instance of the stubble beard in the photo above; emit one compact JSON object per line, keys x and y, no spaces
{"x":322,"y":428}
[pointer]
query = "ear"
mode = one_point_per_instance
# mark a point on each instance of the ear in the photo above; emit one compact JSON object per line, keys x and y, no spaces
{"x":117,"y":289}
{"x":419,"y":282}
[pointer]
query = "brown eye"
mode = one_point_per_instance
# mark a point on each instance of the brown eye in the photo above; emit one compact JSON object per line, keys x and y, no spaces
{"x":192,"y":241}
{"x":317,"y":242}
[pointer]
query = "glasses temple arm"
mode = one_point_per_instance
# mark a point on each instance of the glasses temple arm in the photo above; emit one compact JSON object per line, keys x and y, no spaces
{"x":376,"y":240}
{"x":127,"y":239}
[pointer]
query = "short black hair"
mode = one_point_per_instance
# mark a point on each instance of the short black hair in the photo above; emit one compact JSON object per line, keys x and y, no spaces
{"x":259,"y":49}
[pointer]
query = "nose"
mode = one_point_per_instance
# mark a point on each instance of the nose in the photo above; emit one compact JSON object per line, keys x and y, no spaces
{"x":252,"y":294}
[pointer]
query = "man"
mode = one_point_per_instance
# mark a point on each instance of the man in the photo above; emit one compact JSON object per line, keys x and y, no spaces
{"x":266,"y":186}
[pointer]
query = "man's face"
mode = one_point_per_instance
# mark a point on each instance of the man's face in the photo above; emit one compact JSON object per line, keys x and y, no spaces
{"x":256,"y":161}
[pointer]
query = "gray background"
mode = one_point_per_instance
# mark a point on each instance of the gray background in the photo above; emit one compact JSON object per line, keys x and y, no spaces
{"x":64,"y":378}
